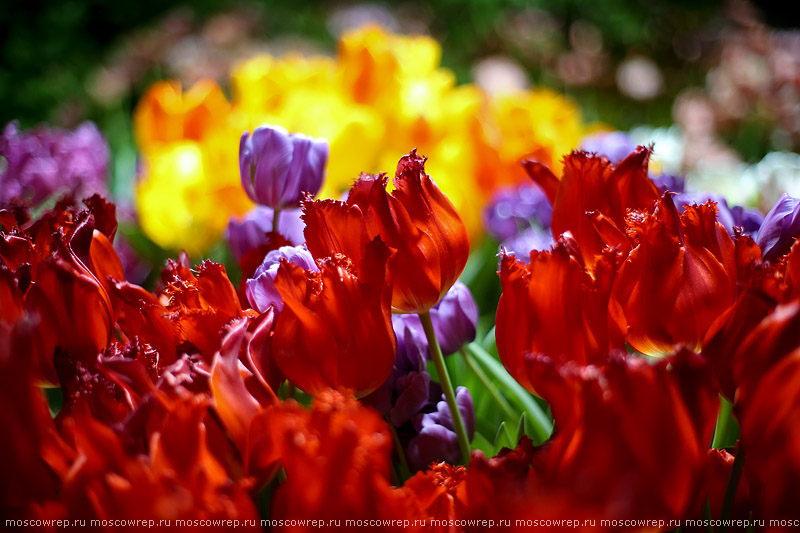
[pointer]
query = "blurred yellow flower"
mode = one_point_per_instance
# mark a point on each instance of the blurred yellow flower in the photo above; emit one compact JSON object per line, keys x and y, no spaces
{"x":380,"y":97}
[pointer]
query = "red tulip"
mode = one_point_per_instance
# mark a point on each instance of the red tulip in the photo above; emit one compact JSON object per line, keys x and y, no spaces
{"x":678,"y":279}
{"x":335,"y":329}
{"x":553,"y":306}
{"x":593,"y":196}
{"x":770,"y":432}
{"x":416,"y":221}
{"x":337,"y":461}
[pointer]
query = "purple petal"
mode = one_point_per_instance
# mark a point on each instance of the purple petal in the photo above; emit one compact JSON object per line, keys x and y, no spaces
{"x":260,"y":289}
{"x":434,"y":444}
{"x":615,"y":145}
{"x":413,"y":395}
{"x":250,"y":232}
{"x":455,"y":319}
{"x":780,"y":228}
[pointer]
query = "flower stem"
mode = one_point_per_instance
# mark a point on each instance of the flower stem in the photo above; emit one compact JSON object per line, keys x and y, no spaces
{"x":447,"y":386}
{"x":276,"y":215}
{"x":733,"y":484}
{"x":489,"y":386}
{"x":723,"y":420}
{"x":405,"y":471}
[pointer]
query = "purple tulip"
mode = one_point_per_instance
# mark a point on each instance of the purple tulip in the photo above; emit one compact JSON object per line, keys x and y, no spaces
{"x":615,"y":145}
{"x":405,"y":393}
{"x":436,"y":439}
{"x":747,"y":219}
{"x":278,"y":168}
{"x":455,"y":318}
{"x":512,"y":209}
{"x":260,"y":289}
{"x":250,"y":232}
{"x":780,"y":228}
{"x":48,"y":161}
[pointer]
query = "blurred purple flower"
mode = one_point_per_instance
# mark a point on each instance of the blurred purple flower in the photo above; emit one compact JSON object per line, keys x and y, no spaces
{"x":530,"y":239}
{"x":668,"y":182}
{"x":747,"y":219}
{"x":615,"y":145}
{"x":780,"y":228}
{"x":436,"y":439}
{"x":46,"y":161}
{"x":513,"y":209}
{"x":260,"y":289}
{"x":250,"y":232}
{"x":277,"y":168}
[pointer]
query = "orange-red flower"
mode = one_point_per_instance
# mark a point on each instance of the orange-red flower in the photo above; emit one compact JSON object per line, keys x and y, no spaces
{"x":553,"y":306}
{"x":59,"y":268}
{"x":770,"y":432}
{"x":438,"y":492}
{"x":593,"y":196}
{"x":31,"y":438}
{"x":337,"y":461}
{"x":630,"y":437}
{"x":180,"y":476}
{"x":200,"y":305}
{"x":416,"y":220}
{"x":335,"y":329}
{"x":678,"y":279}
{"x":630,"y":442}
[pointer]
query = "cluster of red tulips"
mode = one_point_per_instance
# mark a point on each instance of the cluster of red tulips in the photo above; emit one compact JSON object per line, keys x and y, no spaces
{"x":176,"y":403}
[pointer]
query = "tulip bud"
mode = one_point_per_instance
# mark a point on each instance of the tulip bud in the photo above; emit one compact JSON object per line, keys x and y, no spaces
{"x":780,"y":228}
{"x":261,"y":291}
{"x":277,"y":168}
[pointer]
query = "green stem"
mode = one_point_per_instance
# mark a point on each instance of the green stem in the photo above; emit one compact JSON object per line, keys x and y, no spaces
{"x":723,"y":421}
{"x":542,"y":425}
{"x":276,"y":215}
{"x":733,"y":484}
{"x":489,"y":386}
{"x":447,"y":386}
{"x":405,"y":471}
{"x":707,"y":517}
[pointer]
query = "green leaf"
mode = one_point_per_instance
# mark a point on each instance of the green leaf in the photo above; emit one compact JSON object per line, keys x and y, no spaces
{"x":541,"y":423}
{"x":479,"y":442}
{"x":502,"y":439}
{"x":522,"y":427}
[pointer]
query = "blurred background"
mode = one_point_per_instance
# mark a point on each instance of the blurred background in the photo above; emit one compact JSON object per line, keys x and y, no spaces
{"x":627,"y":63}
{"x":715,"y":85}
